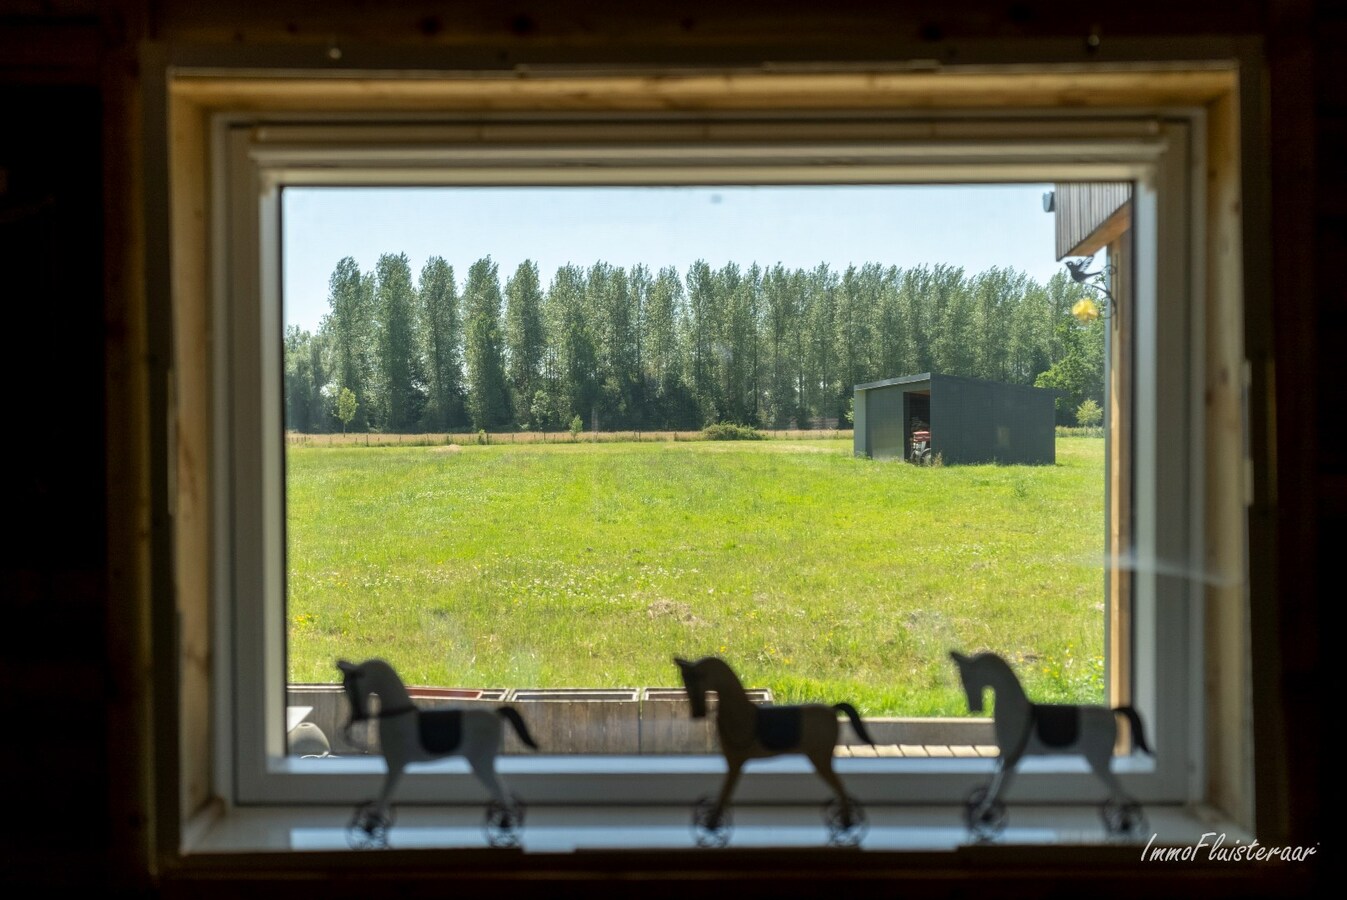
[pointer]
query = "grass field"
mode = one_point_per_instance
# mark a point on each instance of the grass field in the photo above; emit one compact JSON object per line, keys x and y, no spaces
{"x":818,"y":575}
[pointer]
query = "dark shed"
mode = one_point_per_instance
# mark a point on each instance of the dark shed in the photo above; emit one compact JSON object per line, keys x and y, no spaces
{"x":963,"y":420}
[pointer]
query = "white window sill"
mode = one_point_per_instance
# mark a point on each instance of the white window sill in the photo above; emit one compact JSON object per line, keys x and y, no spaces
{"x":561,"y":830}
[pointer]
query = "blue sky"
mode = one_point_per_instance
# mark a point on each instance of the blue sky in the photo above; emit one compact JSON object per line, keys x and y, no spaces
{"x":973,"y":226}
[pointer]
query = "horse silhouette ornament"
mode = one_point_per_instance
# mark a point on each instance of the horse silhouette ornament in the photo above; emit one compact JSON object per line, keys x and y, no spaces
{"x":1024,"y":728}
{"x":750,"y":731}
{"x":408,"y":734}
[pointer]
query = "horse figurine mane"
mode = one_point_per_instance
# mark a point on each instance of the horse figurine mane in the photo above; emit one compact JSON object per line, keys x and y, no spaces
{"x":408,"y":734}
{"x":751,"y":731}
{"x":1024,"y":728}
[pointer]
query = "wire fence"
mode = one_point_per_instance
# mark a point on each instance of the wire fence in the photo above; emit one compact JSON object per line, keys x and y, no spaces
{"x":374,"y":439}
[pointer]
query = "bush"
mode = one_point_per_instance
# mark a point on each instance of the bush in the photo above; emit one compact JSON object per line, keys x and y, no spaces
{"x":576,"y":425}
{"x":1089,"y":414}
{"x":730,"y":431}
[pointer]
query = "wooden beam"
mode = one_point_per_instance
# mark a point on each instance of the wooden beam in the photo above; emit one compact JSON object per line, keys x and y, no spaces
{"x":1133,"y":87}
{"x":1109,"y":232}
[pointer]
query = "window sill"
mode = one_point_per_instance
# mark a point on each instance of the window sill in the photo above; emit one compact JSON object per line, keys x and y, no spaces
{"x":774,"y":852}
{"x":569,"y":830}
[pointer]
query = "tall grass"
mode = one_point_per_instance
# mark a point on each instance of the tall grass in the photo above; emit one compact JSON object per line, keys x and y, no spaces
{"x":818,"y":575}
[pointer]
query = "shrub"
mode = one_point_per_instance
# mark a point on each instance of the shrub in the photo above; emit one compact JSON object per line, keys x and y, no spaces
{"x":1089,"y":414}
{"x":576,"y":425}
{"x":730,"y":431}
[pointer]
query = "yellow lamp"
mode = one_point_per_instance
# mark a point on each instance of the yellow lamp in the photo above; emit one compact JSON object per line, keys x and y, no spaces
{"x":1085,"y":310}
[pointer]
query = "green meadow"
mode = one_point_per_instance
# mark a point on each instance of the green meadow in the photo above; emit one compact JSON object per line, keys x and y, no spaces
{"x":818,"y":575}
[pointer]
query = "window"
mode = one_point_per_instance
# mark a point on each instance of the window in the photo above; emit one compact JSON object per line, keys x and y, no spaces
{"x":1174,"y":129}
{"x":259,"y":157}
{"x":553,"y":520}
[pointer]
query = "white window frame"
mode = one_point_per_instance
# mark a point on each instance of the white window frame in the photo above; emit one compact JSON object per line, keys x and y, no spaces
{"x":253,"y":156}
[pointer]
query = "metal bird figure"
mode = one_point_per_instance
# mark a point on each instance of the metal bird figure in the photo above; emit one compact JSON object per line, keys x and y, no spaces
{"x":1077,"y":270}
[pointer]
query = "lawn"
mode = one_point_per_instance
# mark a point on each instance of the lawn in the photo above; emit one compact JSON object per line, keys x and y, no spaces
{"x":821,"y":576}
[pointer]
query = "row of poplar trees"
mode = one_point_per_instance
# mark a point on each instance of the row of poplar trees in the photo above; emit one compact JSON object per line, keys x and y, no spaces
{"x":624,"y":349}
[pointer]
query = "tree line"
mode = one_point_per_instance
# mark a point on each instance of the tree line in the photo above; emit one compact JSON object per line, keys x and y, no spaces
{"x":612,"y":348}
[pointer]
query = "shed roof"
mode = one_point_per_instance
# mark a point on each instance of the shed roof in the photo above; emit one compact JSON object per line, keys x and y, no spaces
{"x":887,"y":382}
{"x":928,"y":376}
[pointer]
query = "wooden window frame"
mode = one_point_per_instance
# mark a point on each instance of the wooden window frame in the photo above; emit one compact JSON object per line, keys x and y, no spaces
{"x":192,"y":103}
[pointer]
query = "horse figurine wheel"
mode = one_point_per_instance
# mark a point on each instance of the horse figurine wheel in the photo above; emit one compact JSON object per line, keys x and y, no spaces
{"x":749,"y":731}
{"x":1024,"y":728}
{"x":408,"y":734}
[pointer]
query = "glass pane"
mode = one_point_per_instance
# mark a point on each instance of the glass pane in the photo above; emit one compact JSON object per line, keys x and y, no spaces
{"x":540,"y":441}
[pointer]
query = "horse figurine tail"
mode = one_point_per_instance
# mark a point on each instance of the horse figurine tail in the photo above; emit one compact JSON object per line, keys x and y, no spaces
{"x":511,"y":715}
{"x":1135,"y":720}
{"x":856,"y":722}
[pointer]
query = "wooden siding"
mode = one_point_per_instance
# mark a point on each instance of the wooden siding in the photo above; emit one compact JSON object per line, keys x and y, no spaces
{"x":1080,"y":211}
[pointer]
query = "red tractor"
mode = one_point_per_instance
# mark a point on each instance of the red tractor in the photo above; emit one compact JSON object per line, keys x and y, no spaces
{"x":919,"y":447}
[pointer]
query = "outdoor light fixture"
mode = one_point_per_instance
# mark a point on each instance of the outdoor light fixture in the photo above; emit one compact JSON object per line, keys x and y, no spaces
{"x":1087,"y":309}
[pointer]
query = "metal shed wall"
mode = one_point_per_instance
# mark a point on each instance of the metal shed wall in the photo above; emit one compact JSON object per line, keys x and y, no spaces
{"x":879,"y":416}
{"x":960,"y":430}
{"x":884,"y":423}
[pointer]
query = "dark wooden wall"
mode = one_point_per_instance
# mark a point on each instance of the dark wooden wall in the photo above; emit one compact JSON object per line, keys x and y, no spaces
{"x":68,"y":88}
{"x":53,"y":578}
